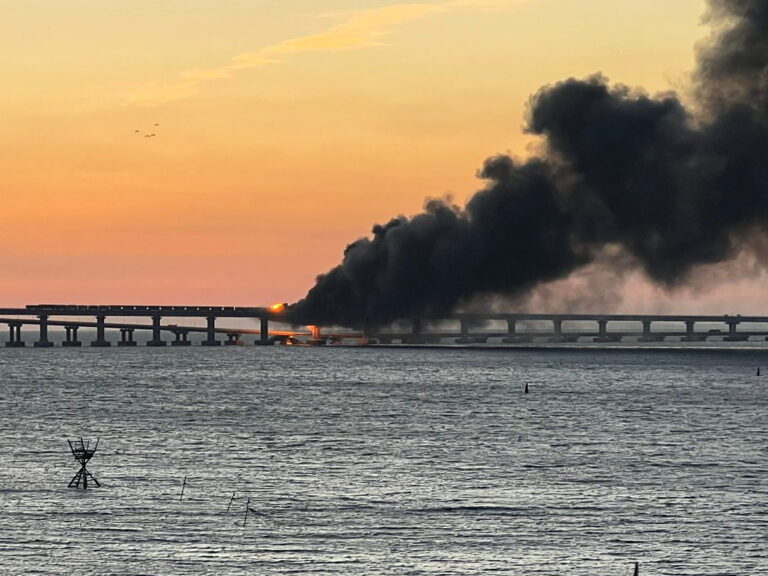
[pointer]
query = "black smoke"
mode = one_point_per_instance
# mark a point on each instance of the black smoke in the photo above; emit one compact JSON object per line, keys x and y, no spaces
{"x":673,"y":187}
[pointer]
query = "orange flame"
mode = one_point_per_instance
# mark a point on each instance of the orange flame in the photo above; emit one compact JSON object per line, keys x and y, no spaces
{"x":279,"y":307}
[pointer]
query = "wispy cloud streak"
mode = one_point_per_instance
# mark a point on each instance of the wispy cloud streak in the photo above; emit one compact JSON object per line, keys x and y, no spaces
{"x":363,"y":29}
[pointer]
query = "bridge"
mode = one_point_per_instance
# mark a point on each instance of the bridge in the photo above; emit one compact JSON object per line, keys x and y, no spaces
{"x":45,"y":315}
{"x":462,"y":328}
{"x":476,"y":328}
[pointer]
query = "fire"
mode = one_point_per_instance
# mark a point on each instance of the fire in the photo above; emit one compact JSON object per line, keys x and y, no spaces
{"x":279,"y":307}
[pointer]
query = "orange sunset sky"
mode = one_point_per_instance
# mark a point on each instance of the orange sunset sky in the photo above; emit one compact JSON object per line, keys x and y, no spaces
{"x":286,"y":129}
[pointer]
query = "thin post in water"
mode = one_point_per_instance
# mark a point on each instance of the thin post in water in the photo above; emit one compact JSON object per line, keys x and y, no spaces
{"x":247,"y":505}
{"x":183,"y":484}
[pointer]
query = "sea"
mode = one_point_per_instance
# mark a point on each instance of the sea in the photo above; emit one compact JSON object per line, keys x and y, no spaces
{"x":375,"y":460}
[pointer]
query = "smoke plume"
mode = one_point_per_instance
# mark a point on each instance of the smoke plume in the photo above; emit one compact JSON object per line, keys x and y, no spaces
{"x":671,"y":187}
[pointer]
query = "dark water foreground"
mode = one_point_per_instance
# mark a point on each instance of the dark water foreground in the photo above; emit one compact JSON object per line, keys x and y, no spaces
{"x":371,"y":461}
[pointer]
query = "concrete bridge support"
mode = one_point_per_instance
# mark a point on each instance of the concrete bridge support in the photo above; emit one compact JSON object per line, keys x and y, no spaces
{"x":416,"y":336}
{"x":43,"y":341}
{"x":648,"y":335}
{"x":558,"y":333}
{"x":126,"y":337}
{"x":101,"y":340}
{"x":602,"y":333}
{"x":210,"y":339}
{"x":233,"y":339}
{"x":15,"y":340}
{"x":690,"y":333}
{"x":263,"y":332}
{"x":71,"y":340}
{"x":157,"y":340}
{"x":316,"y":336}
{"x":733,"y":335}
{"x":182,"y":338}
{"x":512,"y":335}
{"x":465,"y":338}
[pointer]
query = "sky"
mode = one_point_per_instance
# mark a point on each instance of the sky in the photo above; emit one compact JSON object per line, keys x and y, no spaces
{"x":283,"y":129}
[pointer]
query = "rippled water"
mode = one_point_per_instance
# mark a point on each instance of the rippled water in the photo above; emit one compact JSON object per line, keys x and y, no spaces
{"x":371,"y":461}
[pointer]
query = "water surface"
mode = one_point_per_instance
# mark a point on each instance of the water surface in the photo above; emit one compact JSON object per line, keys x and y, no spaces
{"x":385,"y":461}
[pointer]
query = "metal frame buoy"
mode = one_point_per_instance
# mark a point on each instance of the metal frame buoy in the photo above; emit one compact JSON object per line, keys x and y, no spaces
{"x":82,"y":452}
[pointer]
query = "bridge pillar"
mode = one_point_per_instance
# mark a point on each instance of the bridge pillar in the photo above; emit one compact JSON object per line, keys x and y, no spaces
{"x":558,"y":333}
{"x":126,"y":337}
{"x":690,"y":333}
{"x":602,"y":333}
{"x":646,"y":328}
{"x":648,"y":335}
{"x":370,"y":335}
{"x":156,"y":339}
{"x":181,"y":338}
{"x":557,"y":330}
{"x":316,"y":337}
{"x":101,"y":341}
{"x":733,"y":335}
{"x":210,"y":339}
{"x":233,"y":339}
{"x":416,"y":336}
{"x":71,"y":338}
{"x":512,"y":335}
{"x":465,"y":338}
{"x":263,"y":332}
{"x":43,"y":341}
{"x":15,"y":340}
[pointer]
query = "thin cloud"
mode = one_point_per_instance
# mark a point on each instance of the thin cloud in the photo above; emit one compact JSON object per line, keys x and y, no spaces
{"x":364,"y":29}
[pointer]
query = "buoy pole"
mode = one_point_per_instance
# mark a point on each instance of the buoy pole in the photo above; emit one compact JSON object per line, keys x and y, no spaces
{"x":247,"y":504}
{"x":183,"y":484}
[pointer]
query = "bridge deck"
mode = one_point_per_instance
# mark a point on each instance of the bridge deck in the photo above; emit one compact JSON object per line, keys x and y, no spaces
{"x":264,"y":312}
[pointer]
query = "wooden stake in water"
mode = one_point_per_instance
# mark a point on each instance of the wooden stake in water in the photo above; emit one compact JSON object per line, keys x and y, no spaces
{"x":230,"y":501}
{"x":637,"y":569}
{"x":758,"y":371}
{"x":183,"y":484}
{"x":247,"y":505}
{"x":526,"y":387}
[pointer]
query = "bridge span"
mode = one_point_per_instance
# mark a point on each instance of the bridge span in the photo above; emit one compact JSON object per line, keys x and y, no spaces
{"x":460,"y":328}
{"x":478,"y":328}
{"x":68,"y":316}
